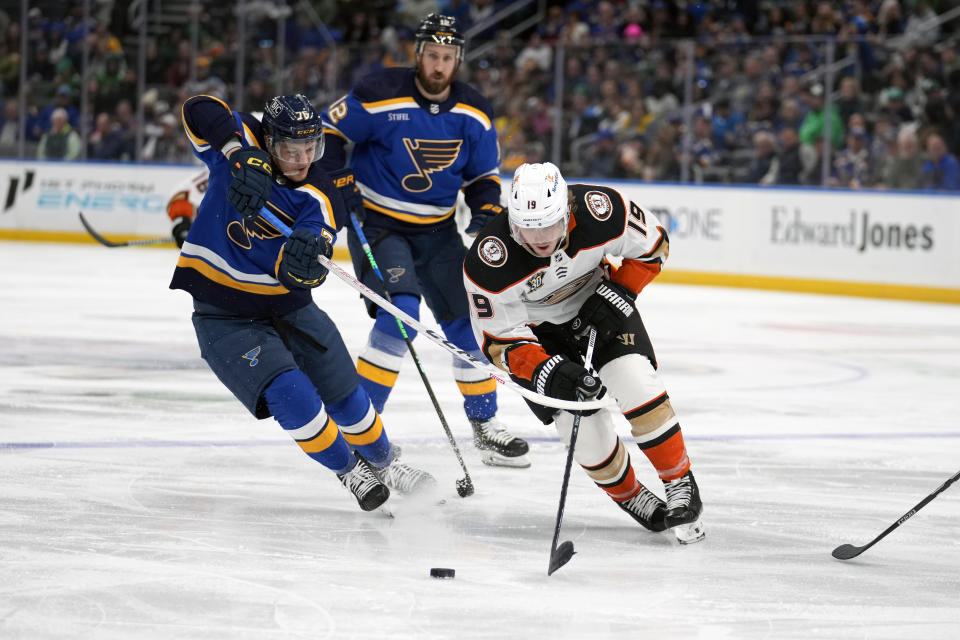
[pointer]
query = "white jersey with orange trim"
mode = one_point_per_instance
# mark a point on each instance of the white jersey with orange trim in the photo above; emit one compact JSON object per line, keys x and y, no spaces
{"x":185,"y":200}
{"x":510,"y":289}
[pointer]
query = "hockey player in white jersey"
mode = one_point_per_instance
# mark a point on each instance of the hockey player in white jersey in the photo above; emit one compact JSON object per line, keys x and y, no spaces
{"x":182,"y":205}
{"x":537,"y":279}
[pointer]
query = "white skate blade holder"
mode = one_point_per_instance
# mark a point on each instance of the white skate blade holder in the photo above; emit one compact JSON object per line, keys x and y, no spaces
{"x":689,"y":533}
{"x":493,"y":459}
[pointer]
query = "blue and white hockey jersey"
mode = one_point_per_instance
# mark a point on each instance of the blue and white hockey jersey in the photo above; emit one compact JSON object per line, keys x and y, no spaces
{"x":411,"y":156}
{"x":226,"y":261}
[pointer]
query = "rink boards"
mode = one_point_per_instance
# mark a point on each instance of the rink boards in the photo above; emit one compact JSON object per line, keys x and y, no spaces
{"x":869,"y":243}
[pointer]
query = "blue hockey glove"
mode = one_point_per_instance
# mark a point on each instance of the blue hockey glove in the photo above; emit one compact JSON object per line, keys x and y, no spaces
{"x":344,"y":180}
{"x":606,"y":310}
{"x":299,"y":264}
{"x":560,"y":377}
{"x":252,"y":181}
{"x":479,"y":219}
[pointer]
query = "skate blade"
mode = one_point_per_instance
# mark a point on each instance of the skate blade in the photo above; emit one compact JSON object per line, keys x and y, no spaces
{"x":492,"y":459}
{"x":689,"y":533}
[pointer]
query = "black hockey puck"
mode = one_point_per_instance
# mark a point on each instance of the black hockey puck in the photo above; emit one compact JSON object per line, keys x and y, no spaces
{"x":443,"y":574}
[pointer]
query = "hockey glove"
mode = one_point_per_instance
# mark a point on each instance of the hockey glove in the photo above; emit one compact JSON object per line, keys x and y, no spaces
{"x":180,"y":230}
{"x":480,"y":219}
{"x":561,"y":377}
{"x":299,"y":263}
{"x":252,"y":181}
{"x":477,"y":223}
{"x":345,"y":181}
{"x":606,"y":310}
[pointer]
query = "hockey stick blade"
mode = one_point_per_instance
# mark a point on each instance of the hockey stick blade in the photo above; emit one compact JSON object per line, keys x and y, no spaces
{"x":125,"y":243}
{"x":560,"y":556}
{"x":847,"y":551}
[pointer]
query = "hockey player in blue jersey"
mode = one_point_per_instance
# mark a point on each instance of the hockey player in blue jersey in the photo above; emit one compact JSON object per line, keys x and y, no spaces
{"x":254,"y":316}
{"x":420,"y":137}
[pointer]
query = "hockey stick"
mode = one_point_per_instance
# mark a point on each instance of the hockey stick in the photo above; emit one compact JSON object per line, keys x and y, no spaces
{"x":435,"y":337}
{"x":464,"y":484}
{"x":847,"y":551}
{"x":124,"y":243}
{"x":560,"y":555}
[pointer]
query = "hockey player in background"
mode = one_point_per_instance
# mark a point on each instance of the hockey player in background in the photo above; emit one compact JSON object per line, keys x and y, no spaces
{"x":538,"y":280}
{"x":256,"y":322}
{"x":420,"y":137}
{"x":182,"y":205}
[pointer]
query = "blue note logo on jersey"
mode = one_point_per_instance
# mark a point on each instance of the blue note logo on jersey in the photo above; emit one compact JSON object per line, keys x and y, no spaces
{"x":428,"y":156}
{"x":253,"y":356}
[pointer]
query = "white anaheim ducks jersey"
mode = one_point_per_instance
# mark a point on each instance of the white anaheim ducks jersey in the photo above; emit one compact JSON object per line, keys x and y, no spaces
{"x":509,"y":289}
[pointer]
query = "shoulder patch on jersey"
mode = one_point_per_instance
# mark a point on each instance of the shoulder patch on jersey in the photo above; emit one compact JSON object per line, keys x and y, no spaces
{"x":493,"y":251}
{"x":599,"y":204}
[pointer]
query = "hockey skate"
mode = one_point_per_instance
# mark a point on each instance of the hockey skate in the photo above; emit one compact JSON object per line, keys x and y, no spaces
{"x":497,"y":446}
{"x":683,"y":509}
{"x":405,"y":479}
{"x":364,"y":484}
{"x":647,"y":509}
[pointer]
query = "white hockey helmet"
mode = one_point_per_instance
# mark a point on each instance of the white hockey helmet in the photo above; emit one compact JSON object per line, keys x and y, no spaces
{"x":537,"y":208}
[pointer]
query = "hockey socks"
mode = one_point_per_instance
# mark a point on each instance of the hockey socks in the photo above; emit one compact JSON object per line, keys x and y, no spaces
{"x":362,"y":427}
{"x":478,"y":388}
{"x":379,"y":363}
{"x":615,"y":475}
{"x":294,"y":403}
{"x":665,"y":449}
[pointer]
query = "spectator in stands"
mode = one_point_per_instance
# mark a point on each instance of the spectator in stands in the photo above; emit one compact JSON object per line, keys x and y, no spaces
{"x":705,"y":158}
{"x":905,"y":171}
{"x":849,"y":100}
{"x":923,"y":27}
{"x":61,"y":100}
{"x":813,"y":160}
{"x":599,"y":156}
{"x":812,"y":127}
{"x":10,"y":128}
{"x":631,"y":159}
{"x":790,"y":114}
{"x":764,"y":164}
{"x":61,"y":142}
{"x":883,"y":150}
{"x":663,"y":162}
{"x":575,"y":32}
{"x":726,"y":125}
{"x":789,"y":164}
{"x":851,"y":167}
{"x":941,"y":171}
{"x":893,"y":105}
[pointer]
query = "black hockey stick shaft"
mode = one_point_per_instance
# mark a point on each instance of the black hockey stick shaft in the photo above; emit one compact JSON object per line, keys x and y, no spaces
{"x":847,"y":551}
{"x":465,"y":484}
{"x":124,"y":243}
{"x":560,"y":555}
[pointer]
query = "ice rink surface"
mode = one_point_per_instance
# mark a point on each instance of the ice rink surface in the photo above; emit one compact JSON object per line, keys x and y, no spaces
{"x":139,"y":500}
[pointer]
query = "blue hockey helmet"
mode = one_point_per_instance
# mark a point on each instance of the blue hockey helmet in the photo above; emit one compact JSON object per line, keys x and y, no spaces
{"x":290,"y":125}
{"x":439,"y":29}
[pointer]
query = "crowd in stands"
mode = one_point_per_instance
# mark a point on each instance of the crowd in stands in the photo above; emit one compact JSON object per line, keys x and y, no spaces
{"x":655,"y":90}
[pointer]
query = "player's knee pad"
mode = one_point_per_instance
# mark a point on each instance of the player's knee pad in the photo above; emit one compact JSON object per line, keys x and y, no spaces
{"x":292,"y":399}
{"x":596,"y":437}
{"x":387,"y":323}
{"x":639,"y":392}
